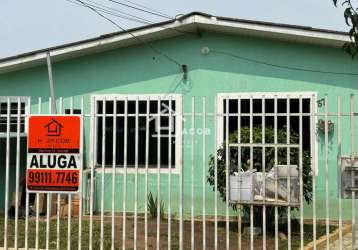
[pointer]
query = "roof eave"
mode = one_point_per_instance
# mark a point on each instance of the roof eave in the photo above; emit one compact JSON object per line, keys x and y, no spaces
{"x":187,"y":23}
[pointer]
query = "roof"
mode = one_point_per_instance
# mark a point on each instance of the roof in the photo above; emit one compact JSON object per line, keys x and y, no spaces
{"x":189,"y":23}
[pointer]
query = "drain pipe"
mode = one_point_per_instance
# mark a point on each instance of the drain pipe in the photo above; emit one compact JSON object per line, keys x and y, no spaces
{"x":52,"y":87}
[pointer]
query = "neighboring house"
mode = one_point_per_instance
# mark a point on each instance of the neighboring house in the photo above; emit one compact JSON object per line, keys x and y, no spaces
{"x":197,"y":55}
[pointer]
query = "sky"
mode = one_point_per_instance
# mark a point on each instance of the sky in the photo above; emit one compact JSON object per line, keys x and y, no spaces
{"x":28,"y":25}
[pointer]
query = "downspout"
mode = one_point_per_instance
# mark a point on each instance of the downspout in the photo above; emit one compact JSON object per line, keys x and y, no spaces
{"x":53,"y":111}
{"x":52,"y":87}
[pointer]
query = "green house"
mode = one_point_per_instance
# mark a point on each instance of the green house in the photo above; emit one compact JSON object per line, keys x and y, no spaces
{"x":215,"y":75}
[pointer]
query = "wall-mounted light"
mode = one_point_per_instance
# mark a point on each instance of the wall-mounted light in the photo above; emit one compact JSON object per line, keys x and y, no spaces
{"x":205,"y":50}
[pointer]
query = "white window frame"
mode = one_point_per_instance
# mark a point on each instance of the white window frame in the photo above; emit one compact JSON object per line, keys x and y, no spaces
{"x":15,"y":99}
{"x":271,"y":95}
{"x":141,"y":97}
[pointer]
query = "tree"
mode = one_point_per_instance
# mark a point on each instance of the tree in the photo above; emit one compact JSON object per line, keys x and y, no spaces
{"x":257,"y":164}
{"x":351,"y":19}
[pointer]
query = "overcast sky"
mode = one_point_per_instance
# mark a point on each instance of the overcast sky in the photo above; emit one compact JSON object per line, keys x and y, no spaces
{"x":28,"y":25}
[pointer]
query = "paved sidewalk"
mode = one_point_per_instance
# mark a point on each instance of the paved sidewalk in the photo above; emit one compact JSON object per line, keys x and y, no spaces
{"x":347,"y":242}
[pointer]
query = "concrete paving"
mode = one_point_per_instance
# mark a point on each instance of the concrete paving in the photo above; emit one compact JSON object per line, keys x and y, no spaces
{"x":347,"y":242}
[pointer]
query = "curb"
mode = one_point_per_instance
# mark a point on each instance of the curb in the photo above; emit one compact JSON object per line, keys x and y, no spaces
{"x":321,"y":241}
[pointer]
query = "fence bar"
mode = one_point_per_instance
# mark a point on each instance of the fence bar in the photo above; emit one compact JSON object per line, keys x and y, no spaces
{"x":216,"y":175}
{"x":158,"y":173}
{"x":181,"y":191}
{"x":326,"y":167}
{"x":251,"y":167}
{"x":300,"y":169}
{"x":227,"y":173}
{"x":288,"y":159}
{"x":114,"y":152}
{"x":275,"y":165}
{"x":125,"y":172}
{"x":353,"y":173}
{"x":313,"y":150}
{"x":239,"y":169}
{"x":7,"y":173}
{"x":69,"y":212}
{"x":192,"y":169}
{"x":58,"y":198}
{"x":103,"y":170}
{"x":263,"y":138}
{"x":339,"y":153}
{"x":17,"y":172}
{"x":136,"y":173}
{"x":27,"y":197}
{"x":81,"y":184}
{"x":146,"y":175}
{"x":49,"y":197}
{"x":170,"y":175}
{"x":38,"y":196}
{"x":93,"y":118}
{"x":204,"y":170}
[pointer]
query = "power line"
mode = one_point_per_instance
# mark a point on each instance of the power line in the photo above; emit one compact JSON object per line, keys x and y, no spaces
{"x":281,"y":66}
{"x":130,"y":17}
{"x":110,"y":12}
{"x":142,"y":6}
{"x":127,"y":31}
{"x":140,"y":9}
{"x":121,"y":12}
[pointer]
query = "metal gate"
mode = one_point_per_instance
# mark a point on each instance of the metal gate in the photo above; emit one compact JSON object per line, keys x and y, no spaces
{"x":244,"y":171}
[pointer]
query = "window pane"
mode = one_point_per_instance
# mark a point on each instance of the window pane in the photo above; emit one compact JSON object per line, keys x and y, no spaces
{"x":281,"y":105}
{"x":245,"y":106}
{"x":269,"y":105}
{"x":257,"y":105}
{"x":294,"y":106}
{"x":306,"y":105}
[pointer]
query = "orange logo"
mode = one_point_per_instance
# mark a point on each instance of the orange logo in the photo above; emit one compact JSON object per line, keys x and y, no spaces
{"x":53,"y":128}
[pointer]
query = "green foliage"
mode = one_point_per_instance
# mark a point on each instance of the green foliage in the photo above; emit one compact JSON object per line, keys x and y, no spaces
{"x":351,"y":18}
{"x":153,"y":206}
{"x":257,"y":162}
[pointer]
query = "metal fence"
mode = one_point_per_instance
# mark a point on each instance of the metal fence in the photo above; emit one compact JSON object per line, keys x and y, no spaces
{"x":158,"y":171}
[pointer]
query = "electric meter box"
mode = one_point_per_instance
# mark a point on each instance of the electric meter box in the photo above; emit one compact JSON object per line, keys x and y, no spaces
{"x":349,"y":177}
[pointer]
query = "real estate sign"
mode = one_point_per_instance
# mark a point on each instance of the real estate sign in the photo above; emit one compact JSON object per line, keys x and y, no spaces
{"x":54,"y":155}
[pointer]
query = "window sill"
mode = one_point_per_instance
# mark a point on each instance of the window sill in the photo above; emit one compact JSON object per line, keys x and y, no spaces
{"x":12,"y":135}
{"x":131,"y":170}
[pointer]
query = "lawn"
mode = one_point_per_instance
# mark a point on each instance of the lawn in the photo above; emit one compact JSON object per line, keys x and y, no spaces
{"x":140,"y":235}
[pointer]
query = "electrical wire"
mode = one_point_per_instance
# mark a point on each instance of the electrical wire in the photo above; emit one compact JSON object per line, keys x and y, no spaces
{"x":281,"y":66}
{"x":110,"y":12}
{"x":130,"y":33}
{"x":130,"y":17}
{"x":140,"y":9}
{"x":121,"y":12}
{"x":147,"y":8}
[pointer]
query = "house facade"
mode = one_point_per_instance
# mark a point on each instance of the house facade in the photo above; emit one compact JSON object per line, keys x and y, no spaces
{"x":238,"y":66}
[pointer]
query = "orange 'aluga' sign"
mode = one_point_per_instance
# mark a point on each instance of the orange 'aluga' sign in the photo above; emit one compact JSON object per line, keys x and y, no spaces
{"x":54,"y":161}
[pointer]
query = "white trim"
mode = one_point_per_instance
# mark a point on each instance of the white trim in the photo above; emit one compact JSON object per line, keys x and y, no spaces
{"x":270,"y":95}
{"x":191,"y":23}
{"x":282,"y":32}
{"x":14,"y":99}
{"x":178,"y":125}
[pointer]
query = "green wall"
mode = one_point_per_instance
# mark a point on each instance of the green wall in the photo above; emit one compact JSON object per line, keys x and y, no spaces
{"x":138,"y":70}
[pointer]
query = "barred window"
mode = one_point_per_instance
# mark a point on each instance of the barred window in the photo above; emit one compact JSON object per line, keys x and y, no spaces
{"x":13,"y":109}
{"x":159,"y":131}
